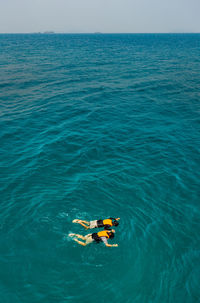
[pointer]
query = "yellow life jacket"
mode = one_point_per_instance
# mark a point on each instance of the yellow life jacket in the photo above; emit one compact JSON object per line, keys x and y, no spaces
{"x":103,"y":233}
{"x":108,"y":222}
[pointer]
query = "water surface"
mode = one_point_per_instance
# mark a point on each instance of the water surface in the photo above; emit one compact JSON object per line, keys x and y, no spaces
{"x":93,"y":126}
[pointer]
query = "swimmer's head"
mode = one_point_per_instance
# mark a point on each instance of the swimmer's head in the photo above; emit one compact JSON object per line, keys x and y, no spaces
{"x":112,"y":234}
{"x":115,"y":223}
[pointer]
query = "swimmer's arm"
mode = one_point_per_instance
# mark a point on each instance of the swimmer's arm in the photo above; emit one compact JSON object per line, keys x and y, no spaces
{"x":106,"y":242}
{"x":115,"y":219}
{"x":111,"y":245}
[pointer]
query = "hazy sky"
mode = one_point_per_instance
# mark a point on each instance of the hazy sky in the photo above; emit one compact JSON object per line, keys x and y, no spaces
{"x":106,"y":16}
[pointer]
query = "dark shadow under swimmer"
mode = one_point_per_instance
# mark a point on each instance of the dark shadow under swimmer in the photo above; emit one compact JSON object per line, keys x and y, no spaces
{"x":101,"y":236}
{"x":106,"y":223}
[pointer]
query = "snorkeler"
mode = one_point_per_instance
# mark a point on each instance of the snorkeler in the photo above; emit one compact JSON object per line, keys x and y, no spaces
{"x":107,"y":223}
{"x":101,"y":236}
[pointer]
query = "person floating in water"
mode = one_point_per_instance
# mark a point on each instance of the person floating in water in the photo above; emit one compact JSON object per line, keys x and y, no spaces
{"x":101,"y":236}
{"x":107,"y":223}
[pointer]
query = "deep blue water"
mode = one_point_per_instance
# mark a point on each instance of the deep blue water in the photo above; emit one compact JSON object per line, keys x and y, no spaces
{"x":93,"y":126}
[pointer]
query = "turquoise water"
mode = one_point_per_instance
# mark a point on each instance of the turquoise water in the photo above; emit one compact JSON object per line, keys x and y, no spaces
{"x":93,"y":126}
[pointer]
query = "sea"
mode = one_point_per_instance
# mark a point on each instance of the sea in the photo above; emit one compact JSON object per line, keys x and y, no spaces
{"x":94,"y":126}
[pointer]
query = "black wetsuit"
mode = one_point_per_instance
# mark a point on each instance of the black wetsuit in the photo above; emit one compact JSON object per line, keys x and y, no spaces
{"x":96,"y":237}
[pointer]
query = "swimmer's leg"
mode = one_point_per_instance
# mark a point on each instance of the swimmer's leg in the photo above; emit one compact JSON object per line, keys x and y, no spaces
{"x":86,"y":227}
{"x":78,"y":236}
{"x":86,"y":222}
{"x":76,"y":221}
{"x":80,"y":242}
{"x":81,"y":221}
{"x":71,"y":235}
